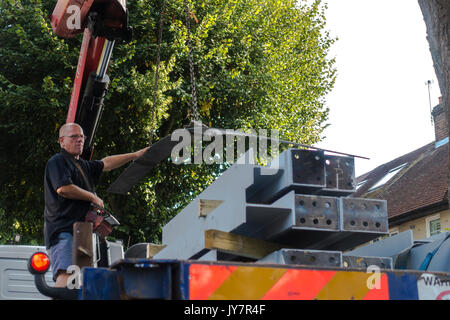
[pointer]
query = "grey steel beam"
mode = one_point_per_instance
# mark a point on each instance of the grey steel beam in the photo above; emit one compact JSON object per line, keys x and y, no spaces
{"x":320,"y":222}
{"x":388,"y":247}
{"x":306,"y":172}
{"x":302,"y":170}
{"x":304,"y":257}
{"x":357,"y":262}
{"x":300,"y":221}
{"x":411,"y":253}
{"x":362,"y":214}
{"x":184,"y":234}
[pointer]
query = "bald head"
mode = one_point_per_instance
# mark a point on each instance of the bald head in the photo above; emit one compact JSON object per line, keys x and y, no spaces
{"x":66,"y":128}
{"x":71,"y":139}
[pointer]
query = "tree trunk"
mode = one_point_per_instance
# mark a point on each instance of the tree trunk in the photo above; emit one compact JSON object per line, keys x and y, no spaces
{"x":436,"y":14}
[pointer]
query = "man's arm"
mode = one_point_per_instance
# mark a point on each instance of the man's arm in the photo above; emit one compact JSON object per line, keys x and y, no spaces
{"x":116,"y":161}
{"x":74,"y":192}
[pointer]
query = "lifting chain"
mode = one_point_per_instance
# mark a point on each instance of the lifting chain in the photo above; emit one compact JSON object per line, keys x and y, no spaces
{"x":191,"y":68}
{"x":158,"y":59}
{"x":191,"y":63}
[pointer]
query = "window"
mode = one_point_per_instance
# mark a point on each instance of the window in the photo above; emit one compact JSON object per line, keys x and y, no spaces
{"x":360,"y":184}
{"x":387,"y":177}
{"x":440,"y":143}
{"x":433,"y":225}
{"x":393,"y":232}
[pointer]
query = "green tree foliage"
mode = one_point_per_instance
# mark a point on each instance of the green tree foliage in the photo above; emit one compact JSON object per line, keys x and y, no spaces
{"x":258,"y":64}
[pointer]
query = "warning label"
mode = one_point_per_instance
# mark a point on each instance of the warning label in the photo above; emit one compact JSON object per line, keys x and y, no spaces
{"x":432,"y":287}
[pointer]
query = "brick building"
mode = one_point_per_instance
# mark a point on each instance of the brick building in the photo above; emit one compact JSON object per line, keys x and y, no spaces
{"x":415,"y":185}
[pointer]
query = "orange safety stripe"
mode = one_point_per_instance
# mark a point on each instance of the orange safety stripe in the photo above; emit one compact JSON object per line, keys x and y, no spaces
{"x":379,"y":294}
{"x":248,"y":283}
{"x":254,"y":283}
{"x":348,"y":285}
{"x":299,"y":285}
{"x":205,"y":279}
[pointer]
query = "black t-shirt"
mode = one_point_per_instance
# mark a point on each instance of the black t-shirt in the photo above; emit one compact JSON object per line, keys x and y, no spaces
{"x":60,"y":213}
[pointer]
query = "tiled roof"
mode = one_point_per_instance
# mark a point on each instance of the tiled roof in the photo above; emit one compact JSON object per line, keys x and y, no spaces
{"x":422,"y":182}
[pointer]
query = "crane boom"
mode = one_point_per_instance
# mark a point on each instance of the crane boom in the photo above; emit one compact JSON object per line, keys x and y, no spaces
{"x":102,"y":22}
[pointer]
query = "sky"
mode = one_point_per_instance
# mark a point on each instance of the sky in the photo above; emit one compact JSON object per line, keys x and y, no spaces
{"x":379,"y":106}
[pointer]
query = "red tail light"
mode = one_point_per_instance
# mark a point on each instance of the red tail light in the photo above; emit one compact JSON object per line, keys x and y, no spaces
{"x":40,"y":262}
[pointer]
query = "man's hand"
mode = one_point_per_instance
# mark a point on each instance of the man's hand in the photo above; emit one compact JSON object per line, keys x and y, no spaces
{"x":140,"y":153}
{"x":96,"y":200}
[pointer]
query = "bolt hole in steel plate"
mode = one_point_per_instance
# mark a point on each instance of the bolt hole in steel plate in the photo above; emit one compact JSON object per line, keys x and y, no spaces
{"x":364,"y":214}
{"x":340,"y":172}
{"x":316,"y":211}
{"x":308,"y":167}
{"x":312,"y":257}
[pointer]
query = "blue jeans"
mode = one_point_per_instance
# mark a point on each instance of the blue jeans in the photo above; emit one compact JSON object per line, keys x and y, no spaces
{"x":61,"y":254}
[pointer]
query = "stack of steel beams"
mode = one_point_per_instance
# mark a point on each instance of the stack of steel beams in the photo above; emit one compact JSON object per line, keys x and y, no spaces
{"x":302,"y":199}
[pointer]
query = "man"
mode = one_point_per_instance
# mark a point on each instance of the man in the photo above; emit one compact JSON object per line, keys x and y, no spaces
{"x":67,"y":197}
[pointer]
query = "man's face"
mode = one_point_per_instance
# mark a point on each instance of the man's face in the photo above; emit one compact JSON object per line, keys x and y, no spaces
{"x":72,"y":140}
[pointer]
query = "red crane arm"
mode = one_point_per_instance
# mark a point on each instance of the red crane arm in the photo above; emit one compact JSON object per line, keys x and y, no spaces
{"x":102,"y":22}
